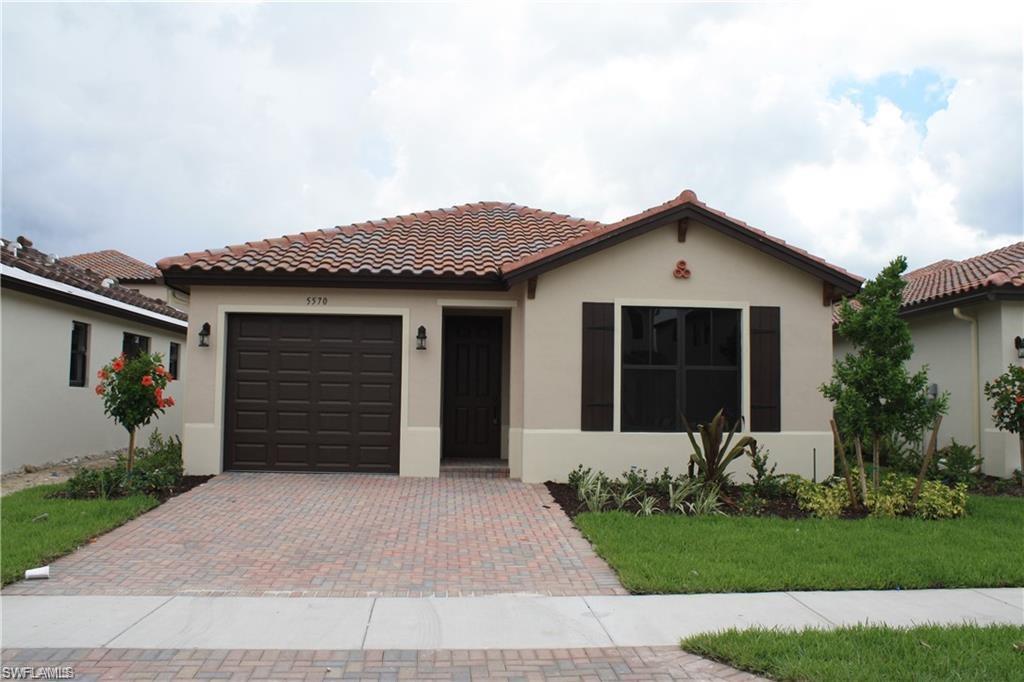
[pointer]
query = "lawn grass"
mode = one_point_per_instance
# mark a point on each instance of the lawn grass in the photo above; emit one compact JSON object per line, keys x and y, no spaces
{"x":869,"y":654}
{"x":679,"y":554}
{"x":26,"y":544}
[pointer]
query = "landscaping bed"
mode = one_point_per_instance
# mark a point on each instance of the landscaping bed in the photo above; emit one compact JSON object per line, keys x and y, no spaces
{"x":870,"y":653}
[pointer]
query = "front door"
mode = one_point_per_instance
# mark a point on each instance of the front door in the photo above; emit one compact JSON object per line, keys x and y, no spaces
{"x":471,"y":425}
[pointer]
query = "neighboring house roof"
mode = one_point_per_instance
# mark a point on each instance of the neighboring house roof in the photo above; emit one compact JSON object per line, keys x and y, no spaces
{"x":947,"y":281}
{"x":27,"y":269}
{"x":113,"y":263}
{"x":488,"y":242}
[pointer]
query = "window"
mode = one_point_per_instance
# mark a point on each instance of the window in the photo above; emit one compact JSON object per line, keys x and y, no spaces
{"x":79,"y":353}
{"x":172,"y":359}
{"x":134,"y":344}
{"x":678,"y":361}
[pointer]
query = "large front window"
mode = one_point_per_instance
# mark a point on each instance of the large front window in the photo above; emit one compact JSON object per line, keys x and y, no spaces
{"x":678,"y":361}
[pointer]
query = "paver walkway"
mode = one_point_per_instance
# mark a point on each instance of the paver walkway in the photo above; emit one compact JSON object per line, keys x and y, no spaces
{"x":339,"y":535}
{"x":641,"y":663}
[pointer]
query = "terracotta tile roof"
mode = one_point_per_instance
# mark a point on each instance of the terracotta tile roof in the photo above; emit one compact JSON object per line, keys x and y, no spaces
{"x":35,"y":262}
{"x":113,"y":263}
{"x":1000,"y":268}
{"x":949,"y":279}
{"x":487,"y":239}
{"x":472,"y":239}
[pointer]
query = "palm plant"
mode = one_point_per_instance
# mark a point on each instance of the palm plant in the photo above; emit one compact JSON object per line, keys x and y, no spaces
{"x":714,"y":457}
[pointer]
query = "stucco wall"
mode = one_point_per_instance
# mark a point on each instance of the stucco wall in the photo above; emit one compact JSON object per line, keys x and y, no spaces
{"x":725,"y":273}
{"x":43,"y":418}
{"x":943,"y":342}
{"x":420,"y":434}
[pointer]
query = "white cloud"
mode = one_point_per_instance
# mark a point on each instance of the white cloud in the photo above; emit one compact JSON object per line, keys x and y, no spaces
{"x":158,"y":129}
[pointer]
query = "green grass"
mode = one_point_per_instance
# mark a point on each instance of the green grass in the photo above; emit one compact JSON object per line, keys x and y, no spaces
{"x":671,"y":554}
{"x":866,"y":654}
{"x":26,"y":544}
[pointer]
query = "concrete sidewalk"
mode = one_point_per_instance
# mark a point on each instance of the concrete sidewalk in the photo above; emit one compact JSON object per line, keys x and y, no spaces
{"x":490,"y":622}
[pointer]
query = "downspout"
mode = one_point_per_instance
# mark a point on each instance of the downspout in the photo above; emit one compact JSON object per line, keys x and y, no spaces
{"x":975,"y":374}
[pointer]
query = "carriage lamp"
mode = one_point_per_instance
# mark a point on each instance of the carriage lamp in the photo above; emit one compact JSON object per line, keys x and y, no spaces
{"x":204,"y":335}
{"x":421,"y":338}
{"x":1018,"y":343}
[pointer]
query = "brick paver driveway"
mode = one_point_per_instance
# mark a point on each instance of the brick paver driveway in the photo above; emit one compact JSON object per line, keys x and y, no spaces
{"x":340,"y":535}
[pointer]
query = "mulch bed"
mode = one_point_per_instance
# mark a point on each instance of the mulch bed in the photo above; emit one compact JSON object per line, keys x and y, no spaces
{"x":781,"y":507}
{"x":997,"y":487}
{"x":187,"y":483}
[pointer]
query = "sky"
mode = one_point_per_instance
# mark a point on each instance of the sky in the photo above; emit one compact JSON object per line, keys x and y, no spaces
{"x":855,"y":131}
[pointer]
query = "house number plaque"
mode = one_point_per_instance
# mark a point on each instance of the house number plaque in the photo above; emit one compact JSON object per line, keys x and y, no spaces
{"x":681,"y":271}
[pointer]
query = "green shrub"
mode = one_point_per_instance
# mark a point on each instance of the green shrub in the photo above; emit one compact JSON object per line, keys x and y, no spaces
{"x":158,"y":471}
{"x":939,"y":501}
{"x":893,"y":496}
{"x":957,"y":463}
{"x":764,"y":481}
{"x":824,"y":500}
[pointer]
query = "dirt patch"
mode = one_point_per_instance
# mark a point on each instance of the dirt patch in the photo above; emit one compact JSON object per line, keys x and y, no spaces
{"x":998,"y":487}
{"x":187,"y":483}
{"x":53,"y":473}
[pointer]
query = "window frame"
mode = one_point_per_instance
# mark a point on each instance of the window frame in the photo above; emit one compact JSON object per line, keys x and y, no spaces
{"x":80,"y":352}
{"x":174,"y":359}
{"x":679,"y":367}
{"x":141,"y":348}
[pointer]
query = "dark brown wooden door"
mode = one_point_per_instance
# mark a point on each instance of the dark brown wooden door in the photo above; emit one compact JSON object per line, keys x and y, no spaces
{"x":313,"y":393}
{"x":472,"y":387}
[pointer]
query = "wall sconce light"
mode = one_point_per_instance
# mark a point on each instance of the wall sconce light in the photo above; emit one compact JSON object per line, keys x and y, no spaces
{"x":204,"y":335}
{"x":1018,"y":343}
{"x":421,"y":338}
{"x":933,"y":391}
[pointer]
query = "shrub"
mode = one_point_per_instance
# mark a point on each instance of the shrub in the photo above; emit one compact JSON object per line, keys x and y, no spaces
{"x":593,"y":489}
{"x":132,"y":390}
{"x":893,"y":495}
{"x":764,"y":481}
{"x":939,"y":501}
{"x":958,"y":464}
{"x":712,"y":457}
{"x":647,"y":506}
{"x":158,"y":471}
{"x":822,"y":500}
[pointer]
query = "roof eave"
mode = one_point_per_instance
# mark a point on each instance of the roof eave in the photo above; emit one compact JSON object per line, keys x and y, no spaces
{"x":981,"y":295}
{"x":845,"y":284}
{"x":185,"y":278}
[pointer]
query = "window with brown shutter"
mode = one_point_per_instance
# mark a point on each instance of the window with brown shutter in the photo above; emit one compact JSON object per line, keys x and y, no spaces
{"x":765,"y":369}
{"x":596,"y":409}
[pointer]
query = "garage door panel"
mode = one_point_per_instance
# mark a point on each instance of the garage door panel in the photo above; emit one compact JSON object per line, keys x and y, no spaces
{"x":313,"y":393}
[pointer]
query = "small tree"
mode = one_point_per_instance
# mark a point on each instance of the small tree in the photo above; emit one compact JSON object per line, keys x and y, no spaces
{"x":1007,"y":395}
{"x":871,"y":389}
{"x":133,"y":393}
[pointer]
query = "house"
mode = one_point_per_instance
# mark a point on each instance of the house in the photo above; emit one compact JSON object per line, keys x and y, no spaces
{"x":130,"y":273}
{"x":966,"y":319}
{"x":60,"y":324}
{"x":493,"y":331}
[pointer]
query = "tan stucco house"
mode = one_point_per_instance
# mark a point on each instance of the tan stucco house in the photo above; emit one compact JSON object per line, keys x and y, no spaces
{"x":59,"y":324}
{"x":966,"y":319}
{"x":493,"y":331}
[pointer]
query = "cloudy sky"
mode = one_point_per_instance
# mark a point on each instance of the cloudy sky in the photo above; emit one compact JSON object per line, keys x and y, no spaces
{"x":855,"y":131}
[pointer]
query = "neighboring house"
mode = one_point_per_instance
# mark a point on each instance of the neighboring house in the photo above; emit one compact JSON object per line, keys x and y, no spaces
{"x":60,"y":325}
{"x":130,"y":273}
{"x":966,"y":319}
{"x":497,"y":331}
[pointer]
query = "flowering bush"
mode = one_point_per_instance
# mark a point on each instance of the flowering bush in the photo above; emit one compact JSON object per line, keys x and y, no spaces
{"x":1007,"y":395}
{"x":133,"y":393}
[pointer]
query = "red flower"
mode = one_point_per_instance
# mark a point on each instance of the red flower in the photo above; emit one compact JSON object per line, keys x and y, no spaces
{"x":117,"y":365}
{"x":1019,"y":399}
{"x":147,"y":380}
{"x":159,"y":393}
{"x":102,"y":375}
{"x":160,"y":371}
{"x":101,"y":389}
{"x":169,"y":401}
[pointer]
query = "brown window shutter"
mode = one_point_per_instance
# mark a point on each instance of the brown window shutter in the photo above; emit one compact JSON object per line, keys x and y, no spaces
{"x":596,"y":407}
{"x":765,"y":371}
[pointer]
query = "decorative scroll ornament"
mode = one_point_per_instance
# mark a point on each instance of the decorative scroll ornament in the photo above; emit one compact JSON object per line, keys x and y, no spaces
{"x":681,"y":271}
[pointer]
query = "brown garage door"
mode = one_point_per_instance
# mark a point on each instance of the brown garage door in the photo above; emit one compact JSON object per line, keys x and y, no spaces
{"x":313,"y":393}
